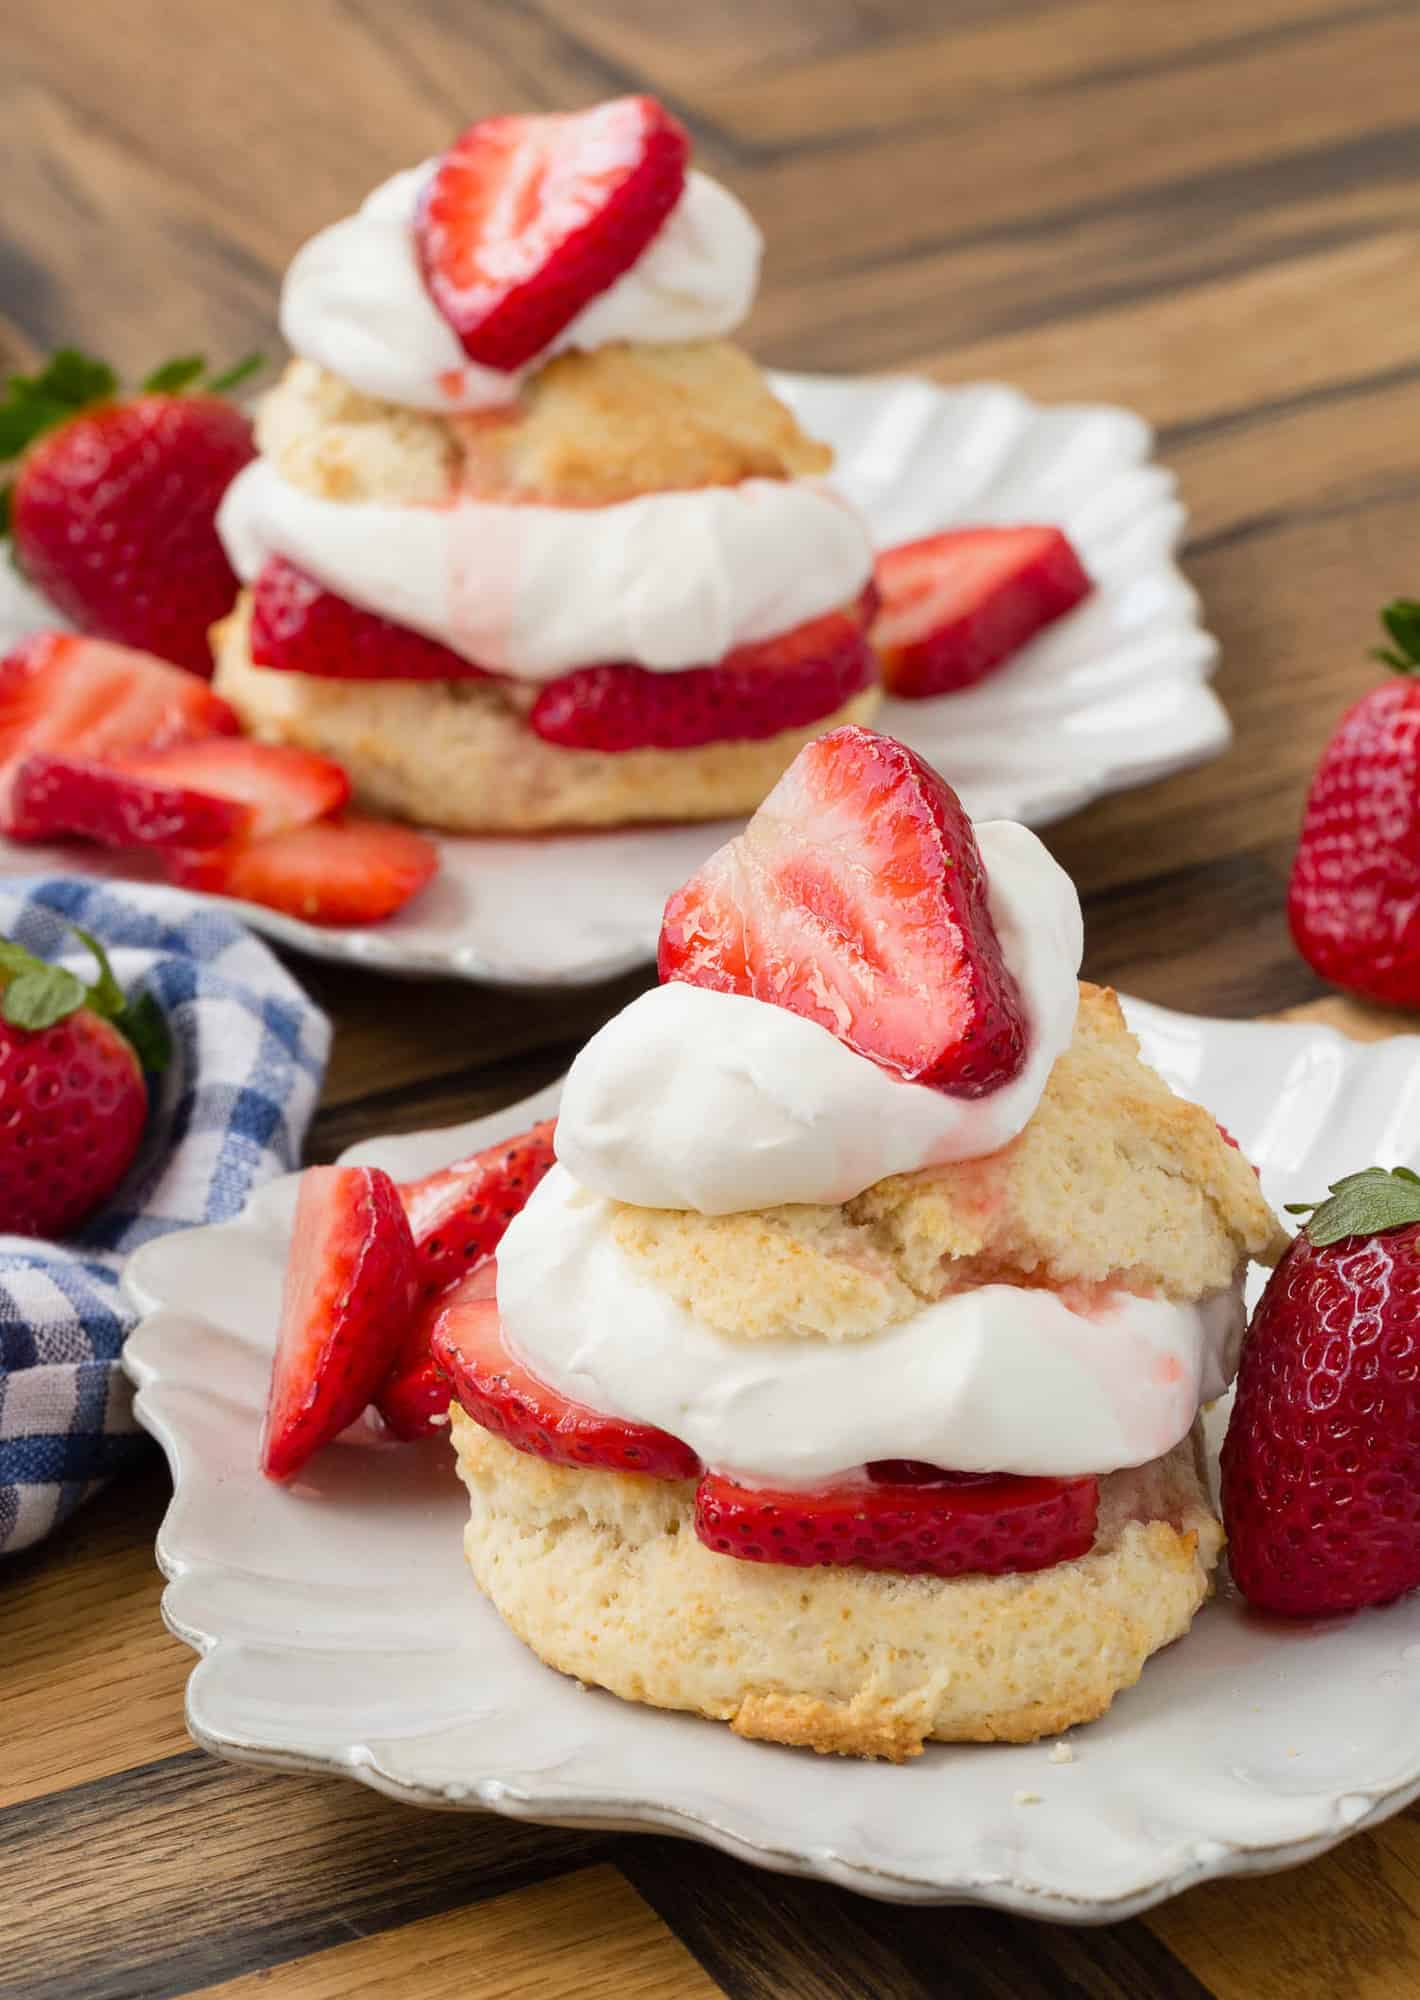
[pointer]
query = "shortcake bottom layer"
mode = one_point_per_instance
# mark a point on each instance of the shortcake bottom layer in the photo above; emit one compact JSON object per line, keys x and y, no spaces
{"x":459,"y":755}
{"x":602,"y":1575}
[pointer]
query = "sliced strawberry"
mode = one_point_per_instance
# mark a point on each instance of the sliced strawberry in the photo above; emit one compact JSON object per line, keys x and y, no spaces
{"x":458,"y":1214}
{"x":86,"y":698}
{"x":56,"y":798}
{"x":299,"y":627}
{"x":526,"y":220}
{"x":957,"y":605}
{"x":506,"y":1398}
{"x":414,"y":1397}
{"x":349,"y":1290}
{"x":946,"y":1527}
{"x":219,"y":789}
{"x":755,"y":691}
{"x":339,"y":871}
{"x":856,"y":897}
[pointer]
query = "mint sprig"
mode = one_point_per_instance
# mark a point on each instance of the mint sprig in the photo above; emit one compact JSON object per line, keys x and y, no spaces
{"x":36,"y":995}
{"x":1362,"y":1204}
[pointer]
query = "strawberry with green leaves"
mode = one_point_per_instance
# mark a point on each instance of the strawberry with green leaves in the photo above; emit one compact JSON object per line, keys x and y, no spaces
{"x":1321,"y":1464}
{"x":112,"y":508}
{"x":1353,"y":901}
{"x":73,"y":1099}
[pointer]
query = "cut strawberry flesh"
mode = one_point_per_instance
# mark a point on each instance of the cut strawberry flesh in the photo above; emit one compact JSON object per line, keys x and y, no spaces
{"x":526,"y":220}
{"x":348,"y":1294}
{"x":414,"y":1397}
{"x":339,"y":871}
{"x":84,"y":698}
{"x":956,"y":606}
{"x":857,"y":898}
{"x":508,"y":1399}
{"x":458,"y":1214}
{"x":297,"y":626}
{"x":56,"y":798}
{"x":946,"y":1527}
{"x":756,"y":691}
{"x":197,"y":795}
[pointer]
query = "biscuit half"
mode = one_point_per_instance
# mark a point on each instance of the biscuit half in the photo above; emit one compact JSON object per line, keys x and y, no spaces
{"x":602,"y":1575}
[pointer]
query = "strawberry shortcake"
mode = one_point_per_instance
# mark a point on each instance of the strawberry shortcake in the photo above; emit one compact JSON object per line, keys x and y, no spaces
{"x":529,"y":543}
{"x":841,"y":1379}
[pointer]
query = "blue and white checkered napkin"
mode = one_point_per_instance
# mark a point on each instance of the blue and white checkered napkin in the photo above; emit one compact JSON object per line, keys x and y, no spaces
{"x":231,"y":1111}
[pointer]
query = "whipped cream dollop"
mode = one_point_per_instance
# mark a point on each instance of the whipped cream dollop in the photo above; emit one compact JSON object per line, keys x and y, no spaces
{"x":355,"y":302}
{"x":717,"y":1102}
{"x":998,"y":1379}
{"x":668,"y":580}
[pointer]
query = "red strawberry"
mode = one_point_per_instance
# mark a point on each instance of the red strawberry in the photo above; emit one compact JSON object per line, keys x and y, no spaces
{"x":1354,"y":897}
{"x":114,"y":506}
{"x":85,"y":698}
{"x":199,"y":794}
{"x":957,"y":605}
{"x":414,"y":1397}
{"x":948,"y":1527}
{"x":1321,"y":1463}
{"x":503,"y":1396}
{"x":856,"y":897}
{"x":458,"y":1214}
{"x":73,"y":1102}
{"x":299,"y":627}
{"x":348,"y":1294}
{"x":527,"y":220}
{"x":54,"y":798}
{"x":339,"y":871}
{"x":755,"y":691}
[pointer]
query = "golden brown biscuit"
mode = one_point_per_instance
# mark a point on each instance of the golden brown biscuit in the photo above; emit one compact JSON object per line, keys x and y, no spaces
{"x":1114,"y":1180}
{"x":602,"y":1575}
{"x":587,"y":430}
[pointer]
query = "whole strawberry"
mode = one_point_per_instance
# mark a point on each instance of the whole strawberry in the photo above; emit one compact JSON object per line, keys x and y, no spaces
{"x":1321,"y":1464}
{"x":73,"y":1101}
{"x":1354,"y":897}
{"x":113,"y":505}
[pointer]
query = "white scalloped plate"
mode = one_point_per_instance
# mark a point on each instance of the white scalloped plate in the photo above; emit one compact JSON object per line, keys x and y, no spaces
{"x":1113,"y":696}
{"x":340,"y":1632}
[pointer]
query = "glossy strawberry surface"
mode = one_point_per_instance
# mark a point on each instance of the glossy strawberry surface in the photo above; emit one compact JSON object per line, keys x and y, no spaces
{"x":857,"y":898}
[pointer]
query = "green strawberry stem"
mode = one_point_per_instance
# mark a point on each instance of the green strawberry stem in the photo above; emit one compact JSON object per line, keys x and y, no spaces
{"x":1401,"y":620}
{"x":1362,"y":1204}
{"x":34,"y":995}
{"x":72,"y":381}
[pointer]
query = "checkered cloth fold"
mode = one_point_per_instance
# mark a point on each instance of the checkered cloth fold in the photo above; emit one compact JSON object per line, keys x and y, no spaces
{"x":231,"y":1111}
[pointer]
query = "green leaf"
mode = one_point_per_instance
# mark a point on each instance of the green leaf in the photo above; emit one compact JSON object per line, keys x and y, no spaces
{"x":249,"y":364}
{"x":105,"y":996}
{"x":145,"y":1025}
{"x":14,"y":958}
{"x":175,"y":375}
{"x":1401,"y":620}
{"x":34,"y":404}
{"x":1362,"y":1204}
{"x":39,"y":997}
{"x":7,"y":508}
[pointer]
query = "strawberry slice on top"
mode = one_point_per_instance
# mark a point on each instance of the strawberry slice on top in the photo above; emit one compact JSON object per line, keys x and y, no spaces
{"x":527,"y":219}
{"x":857,"y":897}
{"x":956,"y":606}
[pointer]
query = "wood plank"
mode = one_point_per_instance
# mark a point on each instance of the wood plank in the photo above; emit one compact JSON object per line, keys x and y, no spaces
{"x":186,"y":1872}
{"x":1347,"y":1924}
{"x":586,"y":1937}
{"x":90,"y":1680}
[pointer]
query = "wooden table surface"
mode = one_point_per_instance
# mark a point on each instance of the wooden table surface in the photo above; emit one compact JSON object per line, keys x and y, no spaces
{"x":1210,"y":211}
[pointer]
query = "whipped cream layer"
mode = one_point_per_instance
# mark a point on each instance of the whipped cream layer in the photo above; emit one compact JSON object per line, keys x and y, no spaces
{"x":717,"y":1102}
{"x":998,"y":1379}
{"x":354,"y":300}
{"x":669,"y":580}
